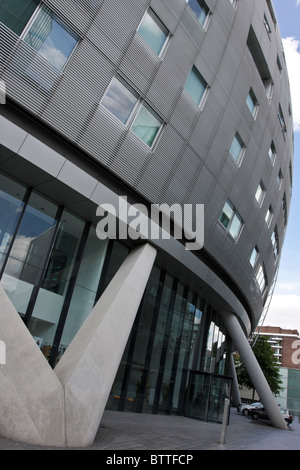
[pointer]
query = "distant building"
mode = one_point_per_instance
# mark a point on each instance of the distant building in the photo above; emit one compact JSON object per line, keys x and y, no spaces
{"x":286,"y":346}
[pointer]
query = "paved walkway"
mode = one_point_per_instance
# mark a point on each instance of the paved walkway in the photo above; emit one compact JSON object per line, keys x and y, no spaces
{"x":132,"y":431}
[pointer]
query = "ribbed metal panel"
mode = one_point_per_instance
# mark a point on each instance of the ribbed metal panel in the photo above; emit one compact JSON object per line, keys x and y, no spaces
{"x":190,"y":162}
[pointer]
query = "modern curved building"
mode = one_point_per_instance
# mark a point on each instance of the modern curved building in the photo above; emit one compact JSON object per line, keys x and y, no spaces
{"x":177,"y":105}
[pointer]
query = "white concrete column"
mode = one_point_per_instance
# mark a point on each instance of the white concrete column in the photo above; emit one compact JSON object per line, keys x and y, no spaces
{"x":88,"y":367}
{"x":253,"y":368}
{"x":31,"y":396}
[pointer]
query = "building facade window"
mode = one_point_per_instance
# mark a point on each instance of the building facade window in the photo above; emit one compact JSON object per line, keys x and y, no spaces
{"x":231,"y":220}
{"x":281,"y":119}
{"x":201,"y":11}
{"x":279,"y":179}
{"x":252,"y":103}
{"x":126,"y":105}
{"x":254,"y":256}
{"x":237,"y":149}
{"x":267,"y":26}
{"x":154,"y":32}
{"x":269,"y":216}
{"x":41,"y":29}
{"x":260,"y":193}
{"x":261,"y":278}
{"x":275,"y":242}
{"x":196,"y":86}
{"x":272,"y":152}
{"x":285,"y":209}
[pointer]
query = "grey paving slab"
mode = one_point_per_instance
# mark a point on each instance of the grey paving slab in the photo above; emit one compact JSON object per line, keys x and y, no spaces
{"x":132,"y":431}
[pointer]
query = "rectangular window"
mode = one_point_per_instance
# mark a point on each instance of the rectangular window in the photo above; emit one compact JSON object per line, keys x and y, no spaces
{"x":260,"y":193}
{"x":147,"y":124}
{"x":285,"y":210}
{"x":272,"y":152}
{"x":154,"y":32}
{"x":269,"y":216}
{"x":120,"y":99}
{"x":196,"y":86}
{"x":261,"y":278}
{"x":231,"y":220}
{"x":45,"y":33}
{"x":275,"y":242}
{"x":254,"y":256}
{"x":281,"y":119}
{"x":201,"y":10}
{"x":237,"y":148}
{"x":252,"y":103}
{"x":126,"y":105}
{"x":51,"y":38}
{"x":267,"y":26}
{"x":279,"y":179}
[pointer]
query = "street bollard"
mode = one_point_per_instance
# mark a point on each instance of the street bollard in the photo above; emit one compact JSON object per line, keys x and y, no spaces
{"x":225,"y":420}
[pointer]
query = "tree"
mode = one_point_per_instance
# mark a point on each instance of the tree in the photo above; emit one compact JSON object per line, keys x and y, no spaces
{"x":268,"y":363}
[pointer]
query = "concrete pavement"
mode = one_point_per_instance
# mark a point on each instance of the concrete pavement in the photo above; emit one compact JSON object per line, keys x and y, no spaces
{"x":132,"y":431}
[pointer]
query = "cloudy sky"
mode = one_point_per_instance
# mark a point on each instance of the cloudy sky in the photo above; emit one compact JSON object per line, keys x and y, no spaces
{"x":284,"y":310}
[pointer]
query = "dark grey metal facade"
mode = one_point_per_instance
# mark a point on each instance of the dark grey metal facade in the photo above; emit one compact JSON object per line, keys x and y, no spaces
{"x":190,"y":163}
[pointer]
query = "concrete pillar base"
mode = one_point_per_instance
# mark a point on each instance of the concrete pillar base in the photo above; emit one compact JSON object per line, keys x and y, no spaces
{"x":64,"y":406}
{"x":253,"y":368}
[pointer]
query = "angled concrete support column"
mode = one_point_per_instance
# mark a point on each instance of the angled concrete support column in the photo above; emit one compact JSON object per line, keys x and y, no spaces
{"x":253,"y":368}
{"x":89,"y":365}
{"x":235,"y":394}
{"x":31,"y":396}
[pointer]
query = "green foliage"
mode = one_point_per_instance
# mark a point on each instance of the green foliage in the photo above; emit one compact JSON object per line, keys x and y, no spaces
{"x":268,"y":363}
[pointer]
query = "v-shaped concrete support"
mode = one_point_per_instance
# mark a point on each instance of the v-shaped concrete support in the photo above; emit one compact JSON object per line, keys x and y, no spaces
{"x":64,"y":406}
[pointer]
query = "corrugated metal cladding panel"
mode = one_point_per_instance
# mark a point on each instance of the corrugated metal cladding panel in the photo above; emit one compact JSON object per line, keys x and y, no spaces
{"x":73,"y":13}
{"x":140,"y":63}
{"x":131,"y":157}
{"x":173,"y":72}
{"x":80,"y":91}
{"x":103,"y":136}
{"x":30,"y":79}
{"x":119,"y":19}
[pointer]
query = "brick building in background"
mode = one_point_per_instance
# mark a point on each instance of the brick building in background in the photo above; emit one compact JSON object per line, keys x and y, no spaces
{"x":286,"y":346}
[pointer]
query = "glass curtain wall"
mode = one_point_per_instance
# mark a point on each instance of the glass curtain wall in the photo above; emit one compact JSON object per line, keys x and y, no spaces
{"x":169,"y":339}
{"x":51,"y":262}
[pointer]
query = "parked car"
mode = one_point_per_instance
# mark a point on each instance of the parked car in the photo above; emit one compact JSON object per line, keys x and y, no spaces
{"x":261,"y":413}
{"x":245,"y":407}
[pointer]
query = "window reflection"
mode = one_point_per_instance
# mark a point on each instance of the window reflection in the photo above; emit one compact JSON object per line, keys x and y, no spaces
{"x":119,"y":100}
{"x":153,"y":31}
{"x":29,"y":251}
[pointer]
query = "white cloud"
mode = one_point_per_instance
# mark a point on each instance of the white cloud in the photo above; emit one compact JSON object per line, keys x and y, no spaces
{"x":292,"y":55}
{"x":284,"y":312}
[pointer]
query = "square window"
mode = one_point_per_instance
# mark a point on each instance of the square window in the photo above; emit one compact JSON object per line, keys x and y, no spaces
{"x":200,"y":9}
{"x":252,"y":103}
{"x":147,"y":125}
{"x":237,"y":148}
{"x":120,"y":99}
{"x":195,"y":85}
{"x":260,"y":193}
{"x":51,"y":38}
{"x":153,"y":31}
